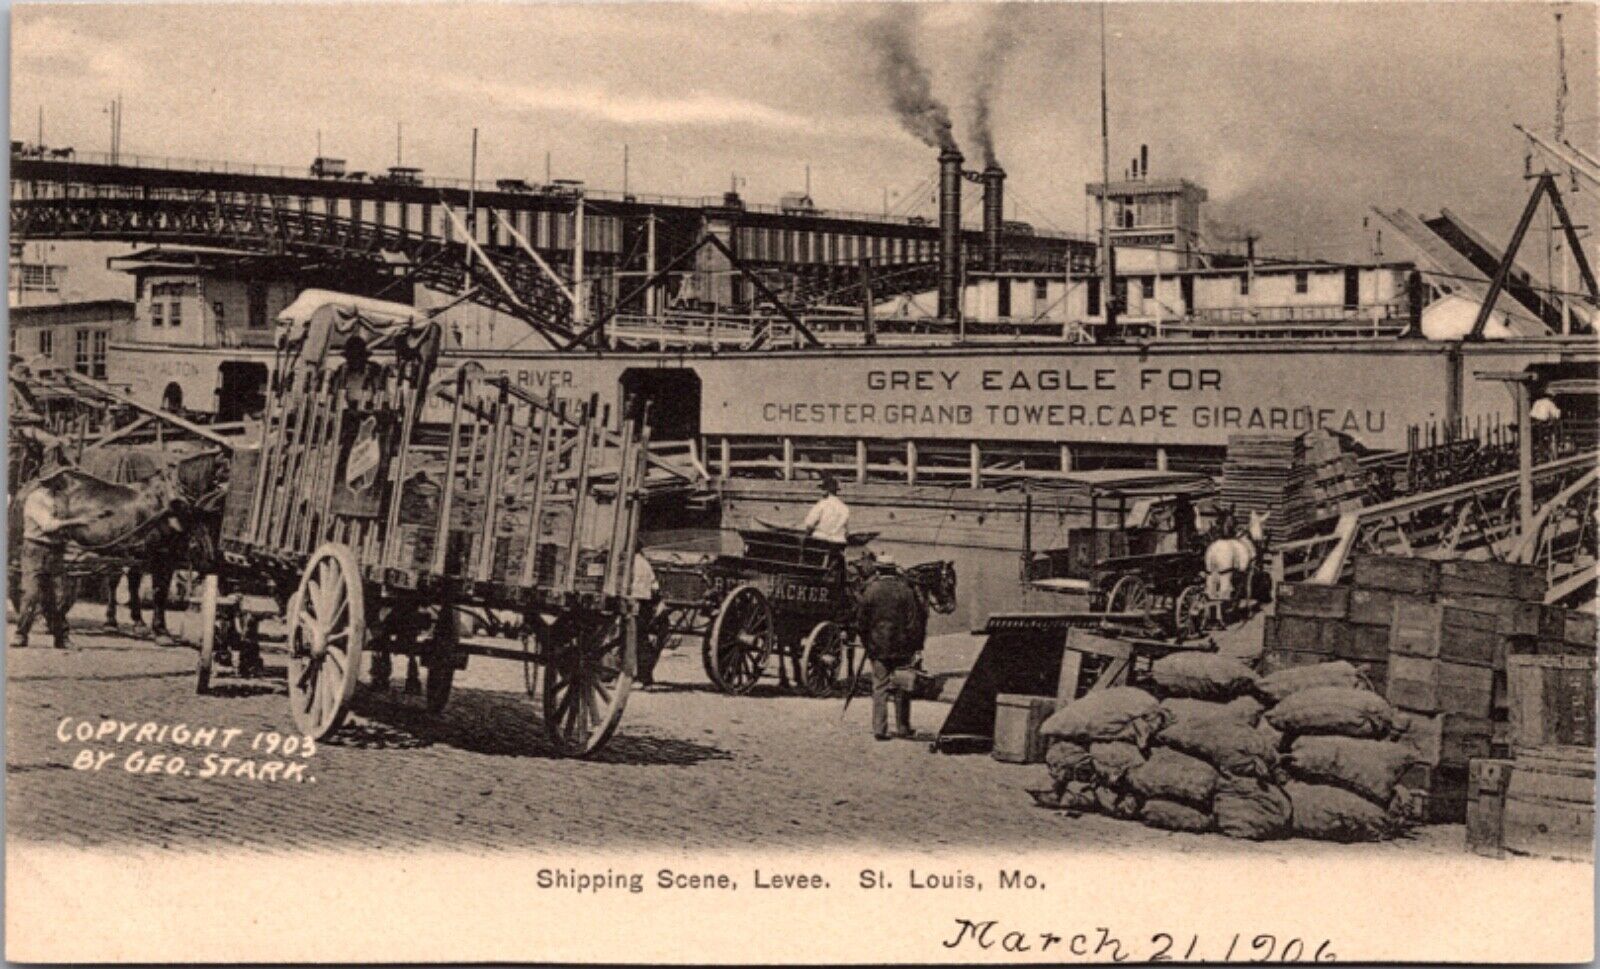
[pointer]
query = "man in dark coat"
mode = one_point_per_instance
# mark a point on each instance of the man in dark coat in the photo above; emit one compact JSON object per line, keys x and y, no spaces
{"x":893,"y":625}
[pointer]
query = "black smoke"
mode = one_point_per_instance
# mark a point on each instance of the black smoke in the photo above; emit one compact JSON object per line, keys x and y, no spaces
{"x":907,"y":81}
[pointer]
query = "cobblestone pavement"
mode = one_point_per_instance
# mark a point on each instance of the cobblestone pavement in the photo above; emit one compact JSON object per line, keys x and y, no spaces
{"x":688,"y":768}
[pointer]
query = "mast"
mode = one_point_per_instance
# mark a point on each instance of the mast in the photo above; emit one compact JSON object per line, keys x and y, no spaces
{"x":1108,"y":300}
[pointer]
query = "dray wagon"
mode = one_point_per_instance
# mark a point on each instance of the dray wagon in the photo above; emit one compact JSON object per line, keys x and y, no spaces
{"x":1140,"y":559}
{"x":379,"y":529}
{"x":788,"y":596}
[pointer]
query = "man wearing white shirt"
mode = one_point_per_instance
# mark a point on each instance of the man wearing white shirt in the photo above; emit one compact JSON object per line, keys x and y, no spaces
{"x":829,"y":518}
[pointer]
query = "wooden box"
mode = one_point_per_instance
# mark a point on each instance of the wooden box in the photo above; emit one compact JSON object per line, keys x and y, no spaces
{"x":1308,"y":599}
{"x":1507,"y":579}
{"x":1449,"y":739}
{"x":1347,"y":640}
{"x":1439,"y":793}
{"x":1436,"y":686}
{"x":1513,"y":617}
{"x":1486,"y":806}
{"x":1431,"y":630}
{"x":1549,"y":806}
{"x":1298,"y":633}
{"x":1551,"y":700}
{"x":1282,"y":659}
{"x":1396,"y":574}
{"x":1017,"y":718}
{"x":1375,"y":607}
{"x":1578,"y":628}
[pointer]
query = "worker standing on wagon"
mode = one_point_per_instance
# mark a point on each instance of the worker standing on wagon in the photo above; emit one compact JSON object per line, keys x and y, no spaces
{"x":43,"y":562}
{"x":645,"y":591}
{"x":829,"y":518}
{"x":893,"y":625}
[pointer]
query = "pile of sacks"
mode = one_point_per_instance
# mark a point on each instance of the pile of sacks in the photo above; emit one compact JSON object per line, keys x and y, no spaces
{"x":1310,"y":751}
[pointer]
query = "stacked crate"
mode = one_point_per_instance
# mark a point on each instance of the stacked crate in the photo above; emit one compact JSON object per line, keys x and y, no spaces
{"x":1541,"y":801}
{"x":1434,"y":638}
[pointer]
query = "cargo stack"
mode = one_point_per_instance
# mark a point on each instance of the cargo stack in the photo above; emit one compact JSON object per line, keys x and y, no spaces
{"x":1433,"y":638}
{"x":1336,"y":482}
{"x":1264,"y":473}
{"x":1540,"y":800}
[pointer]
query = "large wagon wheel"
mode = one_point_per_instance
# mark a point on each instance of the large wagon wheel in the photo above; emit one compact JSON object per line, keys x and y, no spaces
{"x":1130,"y":594}
{"x":327,"y":630}
{"x":1189,"y":611}
{"x":741,"y":639}
{"x":588,"y":674}
{"x":208,"y":634}
{"x":822,"y":670}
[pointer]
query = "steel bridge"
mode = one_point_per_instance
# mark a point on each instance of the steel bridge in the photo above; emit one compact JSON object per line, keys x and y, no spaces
{"x":516,"y":251}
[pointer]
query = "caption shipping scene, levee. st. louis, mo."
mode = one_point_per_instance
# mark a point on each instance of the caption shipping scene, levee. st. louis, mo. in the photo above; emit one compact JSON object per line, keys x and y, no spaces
{"x":954,"y":427}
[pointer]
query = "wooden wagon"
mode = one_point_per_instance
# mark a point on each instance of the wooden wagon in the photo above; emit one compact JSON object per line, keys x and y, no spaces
{"x":377,"y":530}
{"x":785,"y":597}
{"x":1139,"y":561}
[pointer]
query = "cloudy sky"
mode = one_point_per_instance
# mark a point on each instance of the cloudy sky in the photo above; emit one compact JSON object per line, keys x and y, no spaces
{"x":1297,"y":118}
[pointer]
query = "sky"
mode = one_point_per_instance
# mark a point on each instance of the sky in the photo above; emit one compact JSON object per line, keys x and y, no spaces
{"x":1297,"y":118}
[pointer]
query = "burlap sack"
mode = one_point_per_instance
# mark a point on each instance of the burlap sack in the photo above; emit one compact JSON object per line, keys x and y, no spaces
{"x":1201,"y":676}
{"x":1346,"y":711}
{"x":1118,"y":713}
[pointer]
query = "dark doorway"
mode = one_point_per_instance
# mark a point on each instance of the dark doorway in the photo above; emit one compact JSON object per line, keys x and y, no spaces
{"x":241,"y":390}
{"x":674,"y":398}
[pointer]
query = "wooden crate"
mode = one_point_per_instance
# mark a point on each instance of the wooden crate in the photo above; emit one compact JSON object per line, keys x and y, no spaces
{"x":1438,"y":793}
{"x":1311,"y":600}
{"x":1375,"y":607}
{"x":1433,"y":631}
{"x":1510,"y":580}
{"x":1017,"y":718}
{"x":1282,"y":659}
{"x":1579,"y":629}
{"x":1348,"y":640}
{"x":1486,"y":806}
{"x":1297,"y":633}
{"x":1396,"y":574}
{"x":1513,"y":617}
{"x":1549,"y":808}
{"x":1437,"y":686}
{"x":1551,"y":700}
{"x":1449,"y":739}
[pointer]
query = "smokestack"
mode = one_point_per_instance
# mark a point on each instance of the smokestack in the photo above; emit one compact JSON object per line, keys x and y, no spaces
{"x":994,"y":187}
{"x":1144,"y":161}
{"x":949,"y":233}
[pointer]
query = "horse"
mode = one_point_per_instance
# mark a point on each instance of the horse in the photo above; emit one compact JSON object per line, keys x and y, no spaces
{"x":188,"y":541}
{"x":935,"y":585}
{"x":121,"y":518}
{"x":1232,"y":552}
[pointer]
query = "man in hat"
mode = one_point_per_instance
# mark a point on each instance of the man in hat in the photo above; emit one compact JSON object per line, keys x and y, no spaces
{"x":829,"y":518}
{"x":645,"y":591}
{"x":43,"y":564}
{"x":893,"y":626}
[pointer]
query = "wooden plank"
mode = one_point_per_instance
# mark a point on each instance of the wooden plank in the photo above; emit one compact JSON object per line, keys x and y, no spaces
{"x":1396,"y":573}
{"x":1311,"y":600}
{"x":1486,"y":806}
{"x":1435,"y":686}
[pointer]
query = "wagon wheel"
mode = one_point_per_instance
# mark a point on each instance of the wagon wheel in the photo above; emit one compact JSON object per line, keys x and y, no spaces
{"x":327,"y":630}
{"x":208,"y":634}
{"x":587,"y":678}
{"x":740,"y":641}
{"x":441,"y":674}
{"x":1189,"y":611}
{"x":1130,"y":594}
{"x":822,"y":667}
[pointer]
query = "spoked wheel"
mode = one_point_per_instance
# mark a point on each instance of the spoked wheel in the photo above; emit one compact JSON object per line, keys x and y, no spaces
{"x":208,"y":634}
{"x":327,"y":630}
{"x":1129,"y":595}
{"x":1189,"y":612}
{"x":822,"y":667}
{"x":741,"y":639}
{"x":588,"y":674}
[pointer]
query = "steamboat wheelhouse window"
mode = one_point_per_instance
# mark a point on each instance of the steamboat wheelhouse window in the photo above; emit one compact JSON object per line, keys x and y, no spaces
{"x":158,"y":313}
{"x":80,"y":351}
{"x":47,"y":343}
{"x":1302,"y":282}
{"x":99,"y":340}
{"x":1041,"y":290}
{"x":175,"y":314}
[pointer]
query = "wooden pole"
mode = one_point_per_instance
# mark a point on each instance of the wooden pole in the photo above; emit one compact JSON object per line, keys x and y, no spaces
{"x":531,"y":556}
{"x":580,"y":493}
{"x":441,"y":536}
